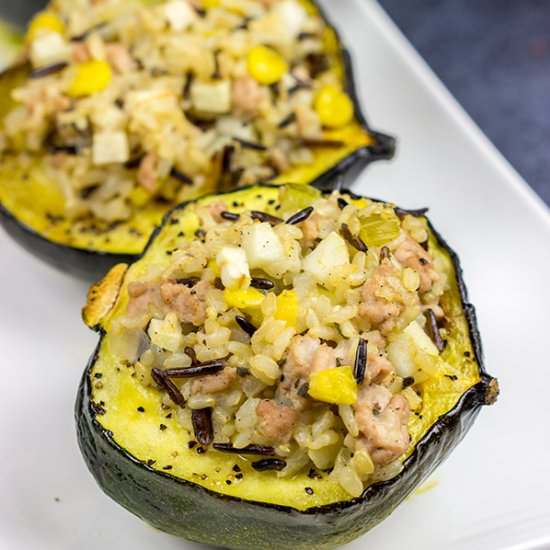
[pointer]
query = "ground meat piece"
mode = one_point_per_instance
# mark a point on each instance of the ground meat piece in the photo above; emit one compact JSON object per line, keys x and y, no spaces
{"x":382,"y":420}
{"x":215,"y":209}
{"x":324,"y":358}
{"x":310,"y":230}
{"x":412,"y":255}
{"x":147,"y":174}
{"x":213,"y":383}
{"x":375,"y":306}
{"x":81,"y":53}
{"x":278,"y":160}
{"x":275,"y":421}
{"x":144,"y":298}
{"x":300,"y":357}
{"x":374,"y":337}
{"x":188,"y":303}
{"x":246,"y":97}
{"x":119,"y":58}
{"x":378,"y":367}
{"x":306,"y":355}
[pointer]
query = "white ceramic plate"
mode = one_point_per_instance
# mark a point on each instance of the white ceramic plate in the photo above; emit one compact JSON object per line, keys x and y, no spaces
{"x":494,"y":491}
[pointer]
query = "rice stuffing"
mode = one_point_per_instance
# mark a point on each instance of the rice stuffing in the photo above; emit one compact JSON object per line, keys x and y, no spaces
{"x":126,"y":104}
{"x":321,"y":368}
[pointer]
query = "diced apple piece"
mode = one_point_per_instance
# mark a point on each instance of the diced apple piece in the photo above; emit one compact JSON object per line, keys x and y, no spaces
{"x":262,"y":245}
{"x":233,"y":266}
{"x":330,"y":253}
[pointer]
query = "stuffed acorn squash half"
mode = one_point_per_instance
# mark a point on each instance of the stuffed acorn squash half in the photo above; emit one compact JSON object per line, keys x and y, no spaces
{"x":117,"y":111}
{"x":279,"y":369}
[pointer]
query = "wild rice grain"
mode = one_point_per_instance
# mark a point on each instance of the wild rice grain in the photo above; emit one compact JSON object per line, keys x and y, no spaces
{"x":167,"y":385}
{"x":46,"y":71}
{"x":262,"y":284}
{"x":353,"y":240}
{"x":360,"y":364}
{"x":231,"y":216}
{"x":200,"y":370}
{"x":433,"y":330}
{"x":202,"y":425}
{"x":265,"y":217}
{"x":265,"y":450}
{"x":181,"y":176}
{"x":246,"y":325}
{"x":269,"y":464}
{"x":250,"y":144}
{"x":402,"y":212}
{"x":300,"y":216}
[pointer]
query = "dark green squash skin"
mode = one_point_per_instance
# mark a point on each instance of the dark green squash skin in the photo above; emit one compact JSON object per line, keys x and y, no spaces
{"x":91,"y":264}
{"x":85,"y":264}
{"x":185,"y":509}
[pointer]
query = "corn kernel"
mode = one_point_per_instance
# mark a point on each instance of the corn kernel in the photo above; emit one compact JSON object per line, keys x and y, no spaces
{"x":139,"y":197}
{"x":90,"y":77}
{"x":333,"y":106}
{"x":266,"y":65}
{"x":207,"y":4}
{"x":415,"y":401}
{"x":335,"y":385}
{"x":243,"y":299}
{"x":214,"y":267}
{"x":287,"y":307}
{"x":45,"y":22}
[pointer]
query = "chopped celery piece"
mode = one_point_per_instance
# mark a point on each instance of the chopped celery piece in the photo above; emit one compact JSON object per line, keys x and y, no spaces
{"x":380,"y":228}
{"x":296,"y":196}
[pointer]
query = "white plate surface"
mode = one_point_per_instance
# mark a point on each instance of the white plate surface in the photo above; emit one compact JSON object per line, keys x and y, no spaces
{"x":492,"y":493}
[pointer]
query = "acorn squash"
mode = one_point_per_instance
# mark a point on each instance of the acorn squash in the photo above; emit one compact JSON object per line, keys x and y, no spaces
{"x":143,"y":459}
{"x":33,"y":207}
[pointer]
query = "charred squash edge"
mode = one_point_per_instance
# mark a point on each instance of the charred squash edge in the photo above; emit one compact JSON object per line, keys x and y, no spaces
{"x":90,"y":264}
{"x":251,"y":524}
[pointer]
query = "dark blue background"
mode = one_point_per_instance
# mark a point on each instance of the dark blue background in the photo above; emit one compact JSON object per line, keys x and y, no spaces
{"x":494,"y":56}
